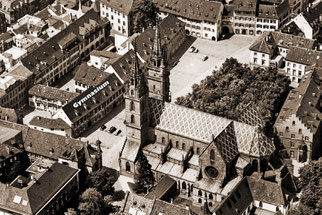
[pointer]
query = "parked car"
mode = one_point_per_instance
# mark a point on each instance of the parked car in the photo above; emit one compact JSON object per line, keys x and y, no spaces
{"x":103,"y":127}
{"x":112,"y":129}
{"x":196,"y":51}
{"x":118,"y":132}
{"x":192,"y":48}
{"x":205,"y":57}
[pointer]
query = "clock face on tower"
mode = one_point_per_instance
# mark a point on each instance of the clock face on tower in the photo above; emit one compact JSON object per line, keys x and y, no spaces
{"x":211,"y":172}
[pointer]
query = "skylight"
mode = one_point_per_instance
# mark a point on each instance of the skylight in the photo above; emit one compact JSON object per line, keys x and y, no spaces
{"x":24,"y":203}
{"x":17,"y":199}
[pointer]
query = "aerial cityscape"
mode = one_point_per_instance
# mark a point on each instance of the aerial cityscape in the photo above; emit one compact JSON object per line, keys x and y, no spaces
{"x":160,"y":107}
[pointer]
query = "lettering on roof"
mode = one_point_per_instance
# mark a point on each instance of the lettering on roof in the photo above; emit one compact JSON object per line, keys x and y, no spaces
{"x":91,"y":94}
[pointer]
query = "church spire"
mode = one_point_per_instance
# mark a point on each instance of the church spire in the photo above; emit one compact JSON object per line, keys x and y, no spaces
{"x":157,"y":40}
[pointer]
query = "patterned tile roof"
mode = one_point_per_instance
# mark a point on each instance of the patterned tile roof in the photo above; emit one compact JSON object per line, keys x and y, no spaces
{"x":204,"y":127}
{"x":186,"y":122}
{"x":251,"y":141}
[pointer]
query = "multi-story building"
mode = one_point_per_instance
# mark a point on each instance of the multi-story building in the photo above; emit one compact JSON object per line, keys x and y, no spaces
{"x":119,"y":14}
{"x":297,"y":6}
{"x":14,"y":87}
{"x":250,"y":192}
{"x":49,"y":146}
{"x":46,"y":188}
{"x":10,"y":151}
{"x":297,"y":59}
{"x":202,"y":18}
{"x":244,"y":17}
{"x":309,"y":21}
{"x":179,"y":142}
{"x":269,"y":17}
{"x":63,"y":52}
{"x":49,"y":99}
{"x":15,"y":9}
{"x":3,"y":23}
{"x":6,"y":41}
{"x":271,"y":47}
{"x":92,"y":105}
{"x":298,"y":125}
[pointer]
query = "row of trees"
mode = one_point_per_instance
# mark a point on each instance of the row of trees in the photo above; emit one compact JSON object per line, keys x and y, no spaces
{"x":228,"y":90}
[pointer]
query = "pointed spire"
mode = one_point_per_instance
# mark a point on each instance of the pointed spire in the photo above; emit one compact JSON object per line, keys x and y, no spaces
{"x":157,"y":40}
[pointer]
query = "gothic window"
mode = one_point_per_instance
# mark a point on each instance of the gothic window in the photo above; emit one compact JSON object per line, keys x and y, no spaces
{"x":132,"y":106}
{"x":191,"y":188}
{"x":184,"y":186}
{"x":198,"y":151}
{"x":132,"y":119}
{"x":183,"y":146}
{"x":132,"y":92}
{"x":153,"y":87}
{"x":212,"y":154}
{"x":210,"y":196}
{"x":162,"y":139}
{"x":128,"y":167}
{"x":199,"y":193}
{"x":177,"y":144}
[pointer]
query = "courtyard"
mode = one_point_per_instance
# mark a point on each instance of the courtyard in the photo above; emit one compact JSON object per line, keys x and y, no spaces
{"x":191,"y":69}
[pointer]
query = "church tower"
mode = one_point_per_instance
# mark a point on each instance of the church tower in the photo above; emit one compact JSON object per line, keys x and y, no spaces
{"x":158,"y":74}
{"x":136,"y":103}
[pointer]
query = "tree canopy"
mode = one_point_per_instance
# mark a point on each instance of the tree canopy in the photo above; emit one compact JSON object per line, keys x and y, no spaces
{"x":311,"y":184}
{"x":102,"y":181}
{"x":144,"y":14}
{"x":145,"y":177}
{"x":228,"y":90}
{"x":92,"y":202}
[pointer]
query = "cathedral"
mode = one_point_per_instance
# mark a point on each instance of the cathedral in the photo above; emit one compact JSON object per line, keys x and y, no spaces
{"x":206,"y":155}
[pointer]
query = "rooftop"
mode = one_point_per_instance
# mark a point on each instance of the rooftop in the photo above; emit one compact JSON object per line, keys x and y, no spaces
{"x":8,"y":114}
{"x":124,"y":6}
{"x":90,"y":76}
{"x":83,"y":104}
{"x":200,"y":10}
{"x":56,"y":124}
{"x":28,"y":199}
{"x":52,"y":93}
{"x":304,"y":101}
{"x":304,"y":56}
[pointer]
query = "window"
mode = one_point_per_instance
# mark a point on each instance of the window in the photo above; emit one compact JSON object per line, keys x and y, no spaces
{"x":292,"y":135}
{"x":183,"y":146}
{"x":281,"y":134}
{"x":127,"y":167}
{"x":263,"y":55}
{"x":260,"y":204}
{"x":300,"y":131}
{"x":263,"y":62}
{"x":132,"y":106}
{"x":212,"y":154}
{"x":211,"y":196}
{"x":292,"y":144}
{"x":162,"y":139}
{"x":293,"y":123}
{"x":199,"y":193}
{"x":198,"y":151}
{"x":287,"y":128}
{"x":306,"y":138}
{"x":177,"y":144}
{"x":132,"y":119}
{"x":255,"y":60}
{"x":200,"y":201}
{"x":184,"y":186}
{"x":292,"y":154}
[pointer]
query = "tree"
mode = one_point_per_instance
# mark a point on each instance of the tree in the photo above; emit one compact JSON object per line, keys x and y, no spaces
{"x":144,"y":15}
{"x":310,"y":183}
{"x":92,"y":202}
{"x":102,"y":181}
{"x":70,"y":211}
{"x":145,"y":177}
{"x":228,"y":90}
